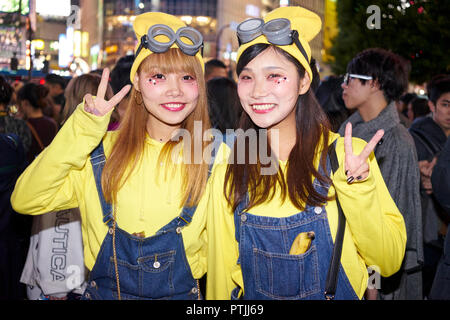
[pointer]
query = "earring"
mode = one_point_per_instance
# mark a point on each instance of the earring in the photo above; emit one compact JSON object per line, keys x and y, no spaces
{"x":136,"y":94}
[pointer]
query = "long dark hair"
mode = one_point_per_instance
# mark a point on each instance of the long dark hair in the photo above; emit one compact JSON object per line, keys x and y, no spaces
{"x":224,"y":105}
{"x":312,"y":135}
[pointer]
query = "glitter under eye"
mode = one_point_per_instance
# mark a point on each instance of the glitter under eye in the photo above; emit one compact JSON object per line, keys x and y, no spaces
{"x":281,"y":80}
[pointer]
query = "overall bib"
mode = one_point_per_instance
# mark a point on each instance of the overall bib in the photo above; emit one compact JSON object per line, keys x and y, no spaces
{"x":269,"y":271}
{"x":155,"y":267}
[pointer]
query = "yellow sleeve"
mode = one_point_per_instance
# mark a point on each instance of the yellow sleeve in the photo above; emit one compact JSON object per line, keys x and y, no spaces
{"x":195,"y":235}
{"x":223,"y":250}
{"x":48,"y":182}
{"x":376,"y":224}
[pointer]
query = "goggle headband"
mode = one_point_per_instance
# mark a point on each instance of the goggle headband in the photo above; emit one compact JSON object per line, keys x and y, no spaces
{"x":149,"y":42}
{"x":277,"y":31}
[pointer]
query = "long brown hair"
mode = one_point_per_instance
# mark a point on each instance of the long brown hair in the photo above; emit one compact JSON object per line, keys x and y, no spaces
{"x":312,"y":134}
{"x":129,"y":145}
{"x":77,"y":88}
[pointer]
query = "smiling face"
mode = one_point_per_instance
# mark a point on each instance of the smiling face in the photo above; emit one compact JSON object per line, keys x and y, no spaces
{"x":268,"y":88}
{"x":170,"y":86}
{"x":168,"y":97}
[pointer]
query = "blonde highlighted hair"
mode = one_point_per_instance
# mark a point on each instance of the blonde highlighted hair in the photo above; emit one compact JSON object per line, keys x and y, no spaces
{"x":128,"y":148}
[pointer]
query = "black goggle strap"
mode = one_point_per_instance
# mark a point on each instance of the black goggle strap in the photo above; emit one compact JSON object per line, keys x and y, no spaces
{"x":297,"y":42}
{"x":143,"y":44}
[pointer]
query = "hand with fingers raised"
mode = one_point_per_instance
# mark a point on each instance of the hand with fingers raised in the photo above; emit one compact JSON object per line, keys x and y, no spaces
{"x":99,"y":106}
{"x":357,"y":166}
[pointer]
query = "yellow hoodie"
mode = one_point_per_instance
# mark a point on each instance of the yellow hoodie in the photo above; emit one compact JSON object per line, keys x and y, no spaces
{"x":375,"y":232}
{"x":61,"y":177}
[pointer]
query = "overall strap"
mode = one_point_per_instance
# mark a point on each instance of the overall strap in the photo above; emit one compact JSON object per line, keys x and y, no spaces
{"x":333,"y":271}
{"x":98,"y":160}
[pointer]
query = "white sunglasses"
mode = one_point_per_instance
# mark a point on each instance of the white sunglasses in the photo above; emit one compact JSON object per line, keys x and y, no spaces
{"x":348,"y":76}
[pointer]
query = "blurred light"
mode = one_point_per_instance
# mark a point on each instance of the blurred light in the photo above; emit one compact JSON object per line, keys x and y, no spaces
{"x":77,"y":43}
{"x":61,"y":8}
{"x":252,"y":11}
{"x":284,"y":3}
{"x":84,"y":44}
{"x":141,"y":5}
{"x":65,"y":51}
{"x":186,"y":19}
{"x":421,"y":92}
{"x":54,"y":45}
{"x":38,"y":44}
{"x":202,"y":20}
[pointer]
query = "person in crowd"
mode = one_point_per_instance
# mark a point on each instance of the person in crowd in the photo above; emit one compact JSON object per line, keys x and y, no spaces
{"x":56,"y":86}
{"x":141,"y":189}
{"x":77,"y":88}
{"x":402,"y":107}
{"x":215,"y":68}
{"x":418,"y":108}
{"x":39,"y":271}
{"x":14,"y":62}
{"x":120,"y":76}
{"x":440,"y":181}
{"x":224,"y":106}
{"x":329,"y":96}
{"x":375,"y":79}
{"x":32,"y":99}
{"x":430,"y":134}
{"x":14,"y":228}
{"x":9,"y":124}
{"x":15,"y":109}
{"x":271,"y":232}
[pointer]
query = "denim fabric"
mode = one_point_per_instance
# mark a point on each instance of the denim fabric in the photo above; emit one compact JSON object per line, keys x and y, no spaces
{"x":269,"y":271}
{"x":155,"y":267}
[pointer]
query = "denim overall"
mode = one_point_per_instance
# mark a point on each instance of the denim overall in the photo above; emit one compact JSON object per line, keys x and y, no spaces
{"x":155,"y":267}
{"x":269,"y":271}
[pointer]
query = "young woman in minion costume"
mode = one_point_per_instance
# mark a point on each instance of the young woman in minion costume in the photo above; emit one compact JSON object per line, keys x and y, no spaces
{"x":273,"y":236}
{"x":143,"y":215}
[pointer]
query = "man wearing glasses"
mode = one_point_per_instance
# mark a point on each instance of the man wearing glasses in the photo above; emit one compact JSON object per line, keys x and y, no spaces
{"x":375,"y":79}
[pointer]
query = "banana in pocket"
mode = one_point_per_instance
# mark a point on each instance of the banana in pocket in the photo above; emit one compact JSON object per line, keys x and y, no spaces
{"x":302,"y":242}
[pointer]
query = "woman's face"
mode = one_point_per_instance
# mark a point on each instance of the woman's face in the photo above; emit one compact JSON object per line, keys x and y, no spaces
{"x":268,"y":88}
{"x":168,"y":97}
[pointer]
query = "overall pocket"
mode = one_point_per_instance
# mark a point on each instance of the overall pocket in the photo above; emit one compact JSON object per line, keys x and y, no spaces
{"x":286,"y":276}
{"x":151,"y":276}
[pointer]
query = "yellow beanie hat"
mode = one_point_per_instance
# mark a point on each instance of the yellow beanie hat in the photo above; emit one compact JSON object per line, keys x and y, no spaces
{"x":307,"y":24}
{"x":141,"y":25}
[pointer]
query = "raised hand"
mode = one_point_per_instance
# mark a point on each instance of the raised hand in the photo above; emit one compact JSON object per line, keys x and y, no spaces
{"x":426,"y":169}
{"x":356,"y":166}
{"x":100,"y":106}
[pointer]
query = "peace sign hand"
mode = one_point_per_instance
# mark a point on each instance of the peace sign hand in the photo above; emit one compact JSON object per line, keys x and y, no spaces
{"x":356,"y":166}
{"x":100,"y":106}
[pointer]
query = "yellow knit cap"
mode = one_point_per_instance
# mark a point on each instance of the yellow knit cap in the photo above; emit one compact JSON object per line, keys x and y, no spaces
{"x":141,"y":25}
{"x":308,"y":25}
